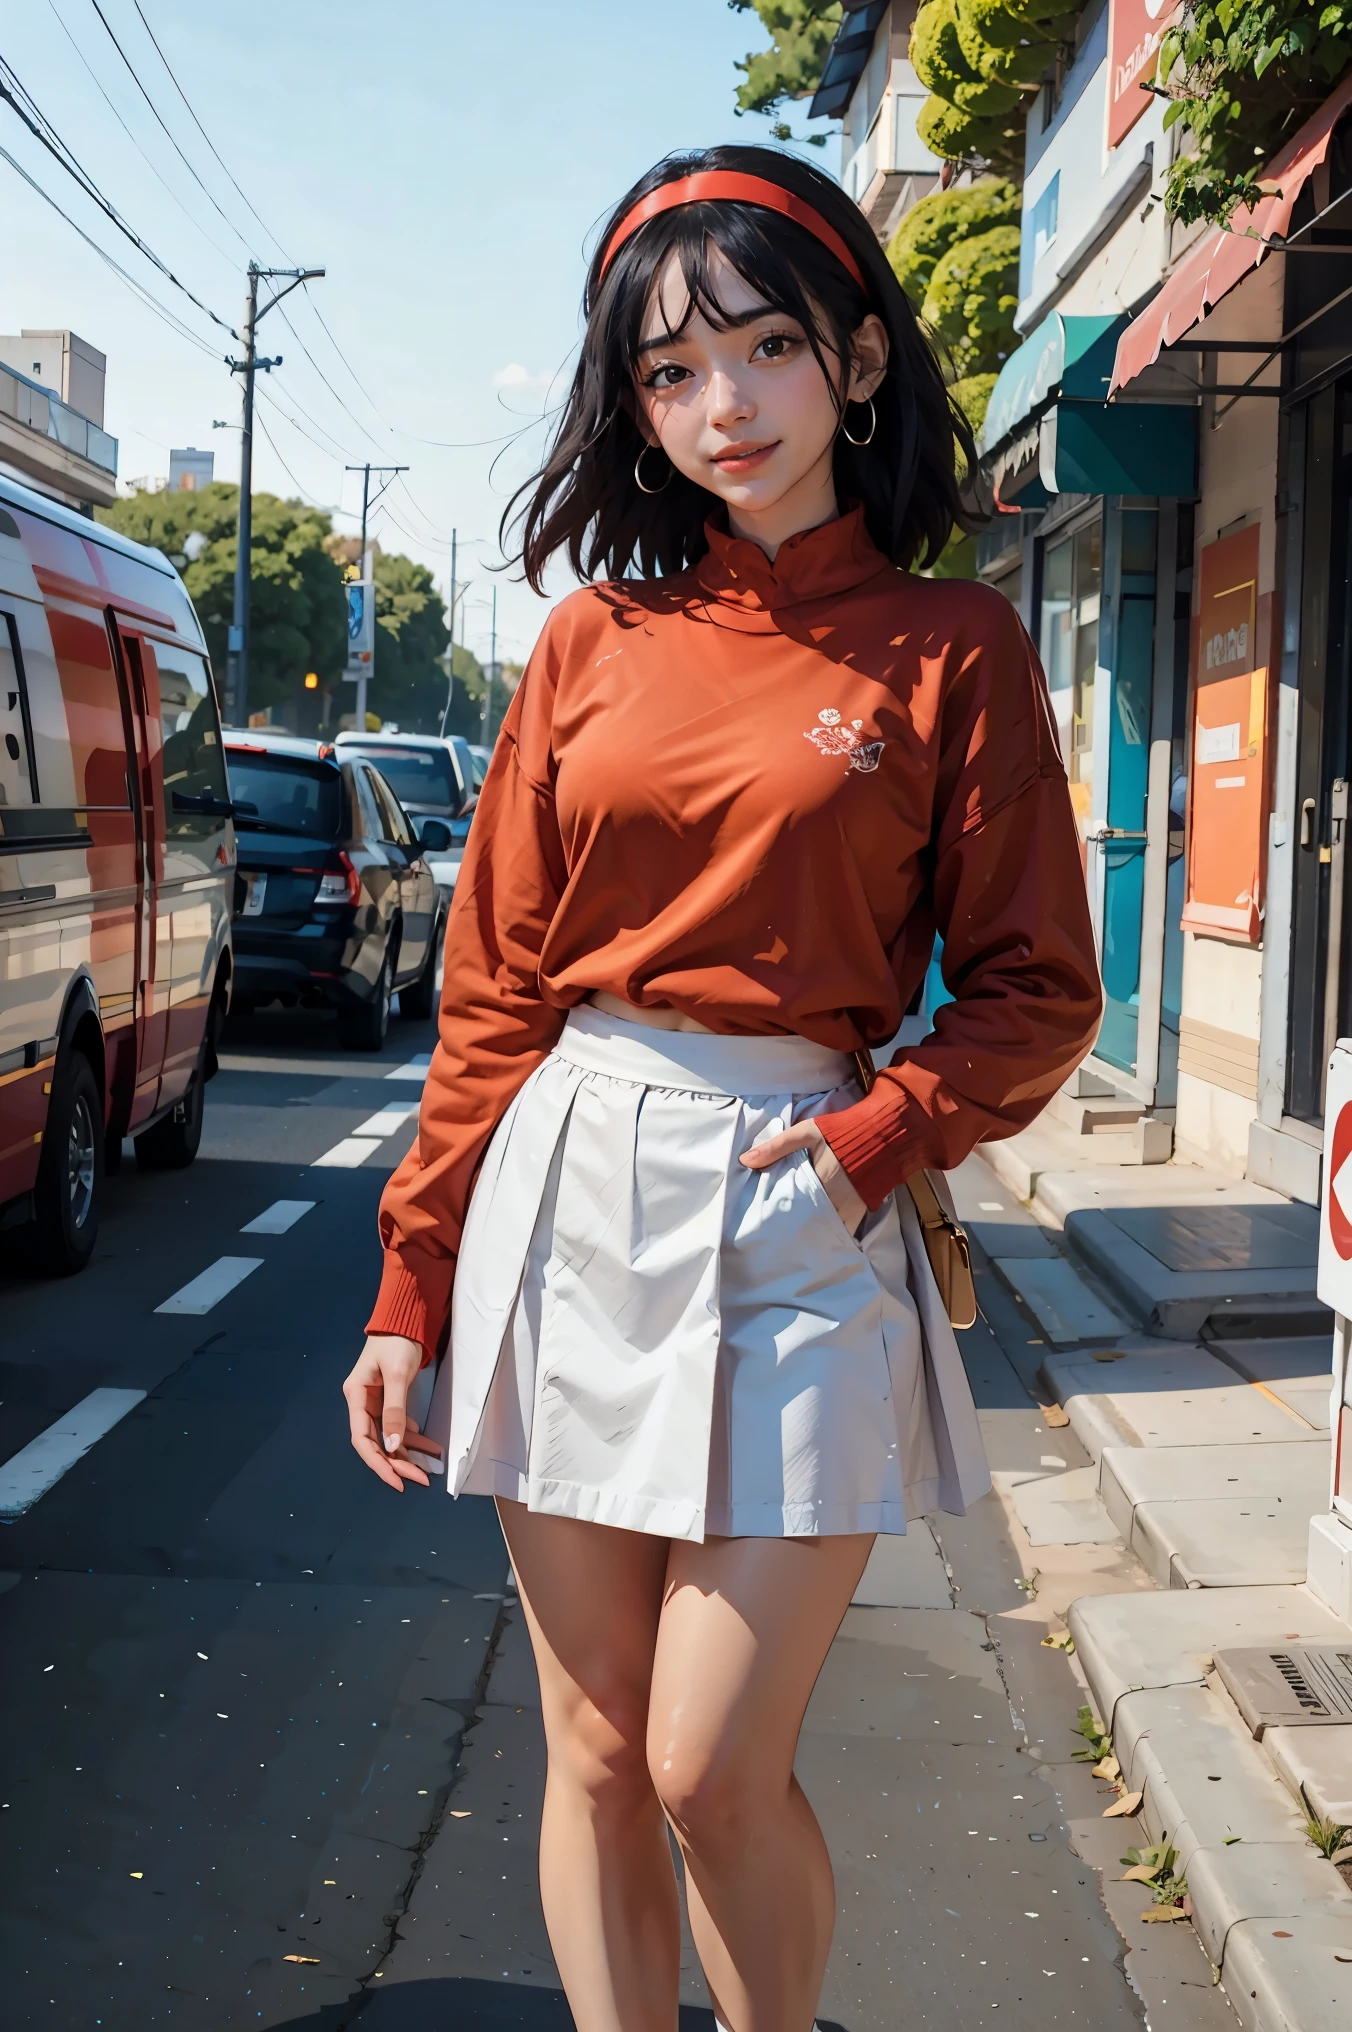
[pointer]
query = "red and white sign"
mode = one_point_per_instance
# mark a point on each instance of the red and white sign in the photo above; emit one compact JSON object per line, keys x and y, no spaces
{"x":1136,"y":28}
{"x":1335,"y":1225}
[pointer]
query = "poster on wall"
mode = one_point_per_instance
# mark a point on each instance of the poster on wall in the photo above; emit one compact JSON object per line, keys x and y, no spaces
{"x":1228,"y":789}
{"x":1136,"y":28}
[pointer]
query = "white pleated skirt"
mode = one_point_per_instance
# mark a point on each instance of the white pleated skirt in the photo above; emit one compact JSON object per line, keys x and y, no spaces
{"x":648,"y":1335}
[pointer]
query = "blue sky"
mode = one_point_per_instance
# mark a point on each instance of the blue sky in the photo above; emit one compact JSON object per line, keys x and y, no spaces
{"x":447,"y":164}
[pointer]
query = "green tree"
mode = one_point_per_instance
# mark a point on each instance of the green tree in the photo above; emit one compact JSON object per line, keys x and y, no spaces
{"x":938,"y":222}
{"x":801,"y":33}
{"x":298,"y":610}
{"x":972,"y":298}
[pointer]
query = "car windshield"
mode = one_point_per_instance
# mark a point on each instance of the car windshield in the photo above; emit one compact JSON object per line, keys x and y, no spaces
{"x":422,"y":777}
{"x":292,"y":795}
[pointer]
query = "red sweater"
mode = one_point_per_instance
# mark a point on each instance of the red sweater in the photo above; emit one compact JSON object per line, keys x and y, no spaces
{"x":752,"y":792}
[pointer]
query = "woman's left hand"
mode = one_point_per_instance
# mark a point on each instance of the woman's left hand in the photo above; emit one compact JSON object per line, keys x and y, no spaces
{"x":828,"y":1167}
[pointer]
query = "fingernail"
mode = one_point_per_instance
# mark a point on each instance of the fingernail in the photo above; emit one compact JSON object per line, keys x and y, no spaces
{"x":391,"y":1442}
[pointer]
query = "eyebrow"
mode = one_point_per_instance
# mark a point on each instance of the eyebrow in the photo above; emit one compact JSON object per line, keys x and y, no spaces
{"x":736,"y":323}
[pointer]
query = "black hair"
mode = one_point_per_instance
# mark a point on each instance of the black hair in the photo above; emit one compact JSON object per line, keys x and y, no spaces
{"x":585,"y":499}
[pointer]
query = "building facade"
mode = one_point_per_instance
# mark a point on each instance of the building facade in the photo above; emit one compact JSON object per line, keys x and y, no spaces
{"x":51,"y":418}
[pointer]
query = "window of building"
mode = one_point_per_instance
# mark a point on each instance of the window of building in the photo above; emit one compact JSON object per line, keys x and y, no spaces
{"x":1072,"y":575}
{"x":1043,"y":218}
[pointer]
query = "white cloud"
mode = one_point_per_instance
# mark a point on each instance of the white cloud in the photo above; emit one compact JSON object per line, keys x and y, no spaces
{"x":521,"y":381}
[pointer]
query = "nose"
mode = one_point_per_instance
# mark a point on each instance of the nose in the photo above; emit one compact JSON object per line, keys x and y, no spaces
{"x":729,"y":403}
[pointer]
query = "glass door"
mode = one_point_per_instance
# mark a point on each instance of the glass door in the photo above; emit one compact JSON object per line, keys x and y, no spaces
{"x":1072,"y":579}
{"x":1128,"y":646}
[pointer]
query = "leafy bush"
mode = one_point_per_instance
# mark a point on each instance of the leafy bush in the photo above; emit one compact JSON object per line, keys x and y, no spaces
{"x":938,"y":222}
{"x":1243,"y":75}
{"x":972,"y":297}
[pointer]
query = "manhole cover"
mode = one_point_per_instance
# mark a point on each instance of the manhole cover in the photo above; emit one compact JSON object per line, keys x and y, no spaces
{"x":1289,"y":1687}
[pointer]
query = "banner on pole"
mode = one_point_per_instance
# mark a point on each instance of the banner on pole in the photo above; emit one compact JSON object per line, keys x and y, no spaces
{"x":361,"y":629}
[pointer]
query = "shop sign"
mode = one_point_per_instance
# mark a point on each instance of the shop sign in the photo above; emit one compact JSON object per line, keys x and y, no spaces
{"x":1136,"y":28}
{"x":1228,"y":788}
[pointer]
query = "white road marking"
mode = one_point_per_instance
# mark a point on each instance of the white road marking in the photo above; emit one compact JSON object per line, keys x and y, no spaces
{"x":386,"y":1122}
{"x":991,"y":1206}
{"x":279,"y":1218}
{"x":347,"y":1155}
{"x":213,"y":1285}
{"x":38,"y":1466}
{"x":416,"y":1069}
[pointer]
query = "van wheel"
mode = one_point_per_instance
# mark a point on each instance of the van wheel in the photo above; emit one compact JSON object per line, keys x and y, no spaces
{"x":419,"y":999}
{"x":172,"y":1144}
{"x":362,"y":1025}
{"x":68,"y":1196}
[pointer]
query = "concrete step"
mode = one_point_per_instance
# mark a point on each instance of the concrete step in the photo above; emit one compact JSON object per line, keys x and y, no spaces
{"x":1316,"y":1766}
{"x":1172,"y":1398}
{"x":1130,"y":1641}
{"x":1084,"y":1117}
{"x":1060,"y":1300}
{"x":1231,"y":1269}
{"x":1216,"y":1516}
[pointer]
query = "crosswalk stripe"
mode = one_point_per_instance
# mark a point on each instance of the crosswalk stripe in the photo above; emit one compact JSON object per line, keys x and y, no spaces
{"x":38,"y":1466}
{"x":347,"y":1155}
{"x":212,"y":1285}
{"x":416,"y":1069}
{"x":279,"y":1218}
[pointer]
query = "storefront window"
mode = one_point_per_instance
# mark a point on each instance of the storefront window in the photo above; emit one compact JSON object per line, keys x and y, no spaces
{"x":1072,"y":573}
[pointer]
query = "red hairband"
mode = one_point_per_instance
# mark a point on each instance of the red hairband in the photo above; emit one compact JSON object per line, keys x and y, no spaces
{"x":742,"y":189}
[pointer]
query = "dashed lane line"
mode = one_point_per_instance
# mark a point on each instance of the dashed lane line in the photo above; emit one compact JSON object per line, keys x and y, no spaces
{"x":280,"y":1217}
{"x":366,"y":1137}
{"x":416,"y":1069}
{"x":347,"y":1155}
{"x":38,"y":1466}
{"x":214,"y":1284}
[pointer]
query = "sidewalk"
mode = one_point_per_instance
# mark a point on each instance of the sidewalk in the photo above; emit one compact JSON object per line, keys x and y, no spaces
{"x":1170,"y":1323}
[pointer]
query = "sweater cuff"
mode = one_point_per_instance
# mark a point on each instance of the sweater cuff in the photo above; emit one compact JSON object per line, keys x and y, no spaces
{"x":874,"y":1143}
{"x":414,"y":1300}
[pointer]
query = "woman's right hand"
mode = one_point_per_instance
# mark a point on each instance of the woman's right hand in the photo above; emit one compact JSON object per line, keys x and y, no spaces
{"x":377,"y":1406}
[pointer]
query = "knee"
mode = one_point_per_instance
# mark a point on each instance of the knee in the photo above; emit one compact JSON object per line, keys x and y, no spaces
{"x":710,"y":1799}
{"x":598,"y":1749}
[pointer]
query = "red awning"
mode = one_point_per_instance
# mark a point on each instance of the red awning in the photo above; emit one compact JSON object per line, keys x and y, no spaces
{"x":1221,"y":258}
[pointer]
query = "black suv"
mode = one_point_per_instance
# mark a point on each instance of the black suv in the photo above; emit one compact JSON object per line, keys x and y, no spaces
{"x":334,"y":900}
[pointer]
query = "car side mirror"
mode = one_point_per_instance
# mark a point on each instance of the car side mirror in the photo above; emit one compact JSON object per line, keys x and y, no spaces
{"x":435,"y":834}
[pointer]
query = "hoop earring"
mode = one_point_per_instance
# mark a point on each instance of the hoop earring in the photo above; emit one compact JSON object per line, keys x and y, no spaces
{"x":872,"y":426}
{"x":638,"y":475}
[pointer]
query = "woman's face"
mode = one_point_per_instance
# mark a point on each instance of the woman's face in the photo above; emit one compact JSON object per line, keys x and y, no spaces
{"x":746,"y":412}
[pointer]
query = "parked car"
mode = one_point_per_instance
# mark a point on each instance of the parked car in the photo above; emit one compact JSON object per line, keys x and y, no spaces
{"x":335,"y":902}
{"x":116,"y":869}
{"x":433,"y":777}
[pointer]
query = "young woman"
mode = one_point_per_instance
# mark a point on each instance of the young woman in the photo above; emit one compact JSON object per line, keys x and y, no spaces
{"x":694,"y":1348}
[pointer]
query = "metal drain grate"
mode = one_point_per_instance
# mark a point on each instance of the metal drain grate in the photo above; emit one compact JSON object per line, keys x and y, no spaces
{"x":1296,"y":1685}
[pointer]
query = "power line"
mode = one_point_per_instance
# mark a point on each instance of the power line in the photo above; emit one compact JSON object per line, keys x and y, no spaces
{"x":187,"y":164}
{"x":16,"y":96}
{"x":150,"y":165}
{"x":153,"y":303}
{"x":202,"y":130}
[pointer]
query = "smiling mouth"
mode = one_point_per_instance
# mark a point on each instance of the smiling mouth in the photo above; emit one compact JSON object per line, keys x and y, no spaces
{"x":744,"y":458}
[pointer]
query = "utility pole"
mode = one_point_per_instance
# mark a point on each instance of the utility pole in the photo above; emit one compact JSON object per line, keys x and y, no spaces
{"x":487,"y":720}
{"x":368,"y":579}
{"x":450,"y":653}
{"x":237,"y":658}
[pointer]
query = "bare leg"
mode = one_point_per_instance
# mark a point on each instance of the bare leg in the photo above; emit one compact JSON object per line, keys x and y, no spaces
{"x":592,"y":1597}
{"x":745,"y":1627}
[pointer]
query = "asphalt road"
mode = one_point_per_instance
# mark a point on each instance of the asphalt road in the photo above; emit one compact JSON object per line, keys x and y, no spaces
{"x":270,"y":1743}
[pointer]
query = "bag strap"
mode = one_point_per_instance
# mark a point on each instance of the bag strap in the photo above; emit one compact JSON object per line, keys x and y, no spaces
{"x":865,"y":1070}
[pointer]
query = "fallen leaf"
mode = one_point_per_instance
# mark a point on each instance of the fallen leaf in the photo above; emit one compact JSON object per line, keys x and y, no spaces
{"x":1109,"y":1769}
{"x":1141,"y":1873}
{"x":1231,"y":1839}
{"x":1110,"y":1355}
{"x":1055,"y":1416}
{"x":1060,"y":1640}
{"x":1342,"y":1957}
{"x":331,"y":1880}
{"x":138,"y":1874}
{"x":462,"y":1815}
{"x":1342,"y":1855}
{"x":306,"y":1960}
{"x":1283,"y":1936}
{"x":1127,"y":1804}
{"x":1165,"y":1913}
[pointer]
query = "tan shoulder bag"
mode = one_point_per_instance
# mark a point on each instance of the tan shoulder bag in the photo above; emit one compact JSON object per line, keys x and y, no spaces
{"x":945,"y":1238}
